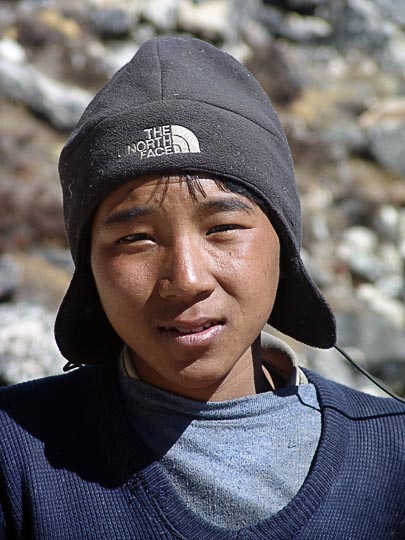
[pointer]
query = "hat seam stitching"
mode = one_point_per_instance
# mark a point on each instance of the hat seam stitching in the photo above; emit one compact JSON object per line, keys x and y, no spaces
{"x":160,"y":70}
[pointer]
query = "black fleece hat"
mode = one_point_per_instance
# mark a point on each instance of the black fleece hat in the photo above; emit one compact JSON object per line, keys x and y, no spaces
{"x":181,"y":105}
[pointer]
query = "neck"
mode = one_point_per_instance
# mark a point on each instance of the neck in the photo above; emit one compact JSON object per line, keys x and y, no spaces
{"x":247,"y":377}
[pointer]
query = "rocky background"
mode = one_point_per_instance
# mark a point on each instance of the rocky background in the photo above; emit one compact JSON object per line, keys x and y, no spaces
{"x":335,"y":70}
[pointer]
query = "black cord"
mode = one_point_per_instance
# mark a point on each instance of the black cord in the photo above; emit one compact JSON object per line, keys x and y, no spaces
{"x":71,"y":365}
{"x":367,"y":374}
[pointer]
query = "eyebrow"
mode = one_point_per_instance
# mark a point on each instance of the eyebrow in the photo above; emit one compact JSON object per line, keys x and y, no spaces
{"x":226,"y":204}
{"x":124,"y":216}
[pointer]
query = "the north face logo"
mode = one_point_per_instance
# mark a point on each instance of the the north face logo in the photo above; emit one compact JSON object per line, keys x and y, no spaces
{"x":163,"y":140}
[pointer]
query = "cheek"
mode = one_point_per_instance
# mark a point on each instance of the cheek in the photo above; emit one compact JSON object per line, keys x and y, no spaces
{"x":261,"y":274}
{"x":122,"y":286}
{"x":253,"y":267}
{"x":252,"y":286}
{"x":271,"y":266}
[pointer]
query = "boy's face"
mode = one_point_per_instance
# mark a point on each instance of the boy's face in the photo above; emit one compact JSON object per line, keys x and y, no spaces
{"x":187,"y":283}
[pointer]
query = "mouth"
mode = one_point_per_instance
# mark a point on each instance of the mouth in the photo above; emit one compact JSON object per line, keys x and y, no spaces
{"x":193,"y":333}
{"x":190,"y":328}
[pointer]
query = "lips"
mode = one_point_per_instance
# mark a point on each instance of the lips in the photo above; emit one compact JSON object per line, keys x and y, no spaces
{"x":193,"y":335}
{"x":190,"y":328}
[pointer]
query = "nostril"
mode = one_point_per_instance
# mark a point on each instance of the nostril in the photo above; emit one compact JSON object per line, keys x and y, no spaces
{"x":186,"y":285}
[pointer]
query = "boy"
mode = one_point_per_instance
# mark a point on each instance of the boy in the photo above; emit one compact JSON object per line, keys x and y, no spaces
{"x":183,"y":220}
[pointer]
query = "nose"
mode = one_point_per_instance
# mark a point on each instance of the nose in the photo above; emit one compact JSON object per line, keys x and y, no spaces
{"x":187,"y":272}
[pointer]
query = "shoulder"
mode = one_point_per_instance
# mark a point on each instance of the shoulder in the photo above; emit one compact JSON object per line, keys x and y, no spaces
{"x":354,"y":402}
{"x":371,"y":427}
{"x":49,"y":407}
{"x":363,"y":438}
{"x":32,"y":396}
{"x":52,"y":438}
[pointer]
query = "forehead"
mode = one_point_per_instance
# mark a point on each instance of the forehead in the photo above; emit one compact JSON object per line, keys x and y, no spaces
{"x":160,"y":190}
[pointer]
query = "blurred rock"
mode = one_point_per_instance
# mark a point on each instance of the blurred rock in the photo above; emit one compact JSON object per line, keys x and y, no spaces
{"x":315,"y":203}
{"x":387,"y":223}
{"x":143,"y":32}
{"x":303,"y":6}
{"x":112,"y":21}
{"x":27,"y":347}
{"x":271,"y":17}
{"x":7,"y":15}
{"x":303,"y":29}
{"x":276,"y":66}
{"x":320,"y":273}
{"x":30,"y":212}
{"x":60,"y":258}
{"x":376,"y":326}
{"x":118,"y":54}
{"x":384,"y":123}
{"x":11,"y":50}
{"x":370,"y":27}
{"x":387,"y":143}
{"x":208,"y":20}
{"x":10,"y":277}
{"x":366,"y":258}
{"x":240,"y":51}
{"x":392,"y":56}
{"x":255,"y":35}
{"x":359,"y":23}
{"x":57,"y":21}
{"x":347,"y":136}
{"x":62,"y":105}
{"x":401,"y":237}
{"x":392,"y":286}
{"x":359,"y":240}
{"x":371,"y":186}
{"x":162,"y":14}
{"x":30,"y":197}
{"x":393,"y":10}
{"x":45,"y":276}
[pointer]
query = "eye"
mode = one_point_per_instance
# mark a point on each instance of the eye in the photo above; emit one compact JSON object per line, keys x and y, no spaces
{"x":226,"y":227}
{"x":137,"y":237}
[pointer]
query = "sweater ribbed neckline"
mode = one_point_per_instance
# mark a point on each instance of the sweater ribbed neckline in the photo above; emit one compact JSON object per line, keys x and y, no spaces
{"x":242,"y":407}
{"x":149,"y":476}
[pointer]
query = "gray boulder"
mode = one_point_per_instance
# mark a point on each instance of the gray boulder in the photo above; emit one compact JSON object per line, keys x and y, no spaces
{"x":162,"y":14}
{"x":376,"y":326}
{"x":359,"y":23}
{"x":392,"y":9}
{"x":114,"y":20}
{"x":366,"y":257}
{"x":384,"y":125}
{"x":304,"y":29}
{"x":209,"y":20}
{"x":370,"y":26}
{"x":60,"y":104}
{"x":27,"y":346}
{"x":10,"y":277}
{"x":387,"y":144}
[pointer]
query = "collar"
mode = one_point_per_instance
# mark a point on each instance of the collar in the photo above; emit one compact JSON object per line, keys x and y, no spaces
{"x":280,"y":358}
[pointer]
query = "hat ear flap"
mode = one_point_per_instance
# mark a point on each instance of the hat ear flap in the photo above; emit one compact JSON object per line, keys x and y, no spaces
{"x":301,"y":311}
{"x":82,"y":331}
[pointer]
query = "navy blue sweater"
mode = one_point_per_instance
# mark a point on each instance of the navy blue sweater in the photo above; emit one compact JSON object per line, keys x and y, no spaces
{"x":73,"y":468}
